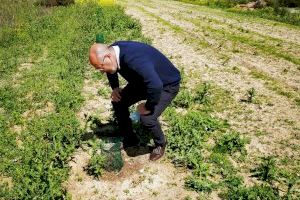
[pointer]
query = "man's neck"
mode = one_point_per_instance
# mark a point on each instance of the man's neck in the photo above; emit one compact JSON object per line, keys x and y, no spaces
{"x":112,"y":51}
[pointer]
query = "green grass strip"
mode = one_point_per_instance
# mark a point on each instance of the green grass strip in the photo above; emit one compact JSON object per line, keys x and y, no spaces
{"x":38,"y":106}
{"x":276,"y":86}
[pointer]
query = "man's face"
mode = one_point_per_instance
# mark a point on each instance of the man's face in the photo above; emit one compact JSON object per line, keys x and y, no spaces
{"x":103,"y":63}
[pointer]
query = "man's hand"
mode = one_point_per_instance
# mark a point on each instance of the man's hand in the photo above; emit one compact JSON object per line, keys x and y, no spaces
{"x":142,"y":109}
{"x":115,"y":95}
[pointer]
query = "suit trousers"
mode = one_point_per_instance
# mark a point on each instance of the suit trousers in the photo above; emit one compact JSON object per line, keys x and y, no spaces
{"x":130,"y":95}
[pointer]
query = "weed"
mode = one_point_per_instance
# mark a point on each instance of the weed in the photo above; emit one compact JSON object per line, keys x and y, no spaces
{"x":222,"y":163}
{"x":231,"y":143}
{"x":187,"y":135}
{"x":96,"y":165}
{"x":261,"y":191}
{"x":104,"y":92}
{"x":233,"y":181}
{"x":199,"y":184}
{"x":202,"y":94}
{"x":266,"y":171}
{"x":184,"y":99}
{"x":291,"y":180}
{"x":187,"y":198}
{"x":251,"y":93}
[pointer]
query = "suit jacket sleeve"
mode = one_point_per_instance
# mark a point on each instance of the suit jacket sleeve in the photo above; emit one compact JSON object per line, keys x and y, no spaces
{"x":113,"y":80}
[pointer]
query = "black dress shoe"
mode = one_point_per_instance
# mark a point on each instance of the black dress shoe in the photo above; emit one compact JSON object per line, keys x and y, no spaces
{"x":158,"y":152}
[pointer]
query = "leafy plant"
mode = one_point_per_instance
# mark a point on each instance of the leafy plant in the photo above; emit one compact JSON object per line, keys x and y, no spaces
{"x":202,"y":93}
{"x":231,"y":143}
{"x":104,"y":92}
{"x":266,"y":171}
{"x":187,"y":134}
{"x":261,"y":191}
{"x":233,"y":181}
{"x":184,"y":99}
{"x":199,"y":184}
{"x":96,"y":164}
{"x":250,"y":95}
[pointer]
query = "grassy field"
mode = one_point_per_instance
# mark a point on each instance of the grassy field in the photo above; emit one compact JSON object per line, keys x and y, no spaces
{"x":44,"y":57}
{"x":226,"y":58}
{"x":233,"y":128}
{"x":275,"y":10}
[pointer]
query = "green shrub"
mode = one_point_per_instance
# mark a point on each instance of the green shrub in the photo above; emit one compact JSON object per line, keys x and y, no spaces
{"x":231,"y":143}
{"x":184,"y":99}
{"x":262,"y":191}
{"x":266,"y":171}
{"x":187,"y":134}
{"x":199,"y":184}
{"x":202,"y":93}
{"x":55,"y":2}
{"x":96,"y":165}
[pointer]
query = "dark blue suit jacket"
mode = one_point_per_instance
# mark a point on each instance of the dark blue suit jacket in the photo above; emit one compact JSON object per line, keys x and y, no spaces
{"x":142,"y":64}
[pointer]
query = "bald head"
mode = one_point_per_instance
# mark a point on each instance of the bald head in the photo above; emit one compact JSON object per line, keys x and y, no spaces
{"x":97,"y":51}
{"x":103,"y":58}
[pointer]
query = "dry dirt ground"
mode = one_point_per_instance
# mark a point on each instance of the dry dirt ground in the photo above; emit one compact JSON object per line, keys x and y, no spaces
{"x":233,"y":52}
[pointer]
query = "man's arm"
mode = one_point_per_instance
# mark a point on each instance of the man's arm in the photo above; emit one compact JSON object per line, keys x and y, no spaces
{"x":113,"y":80}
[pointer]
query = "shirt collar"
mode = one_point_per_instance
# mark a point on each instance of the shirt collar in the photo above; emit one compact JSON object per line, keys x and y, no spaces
{"x":117,"y":52}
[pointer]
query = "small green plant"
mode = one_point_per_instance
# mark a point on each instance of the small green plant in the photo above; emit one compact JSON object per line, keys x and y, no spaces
{"x":250,"y":95}
{"x":291,"y":180}
{"x":230,"y":143}
{"x":187,"y":134}
{"x":202,"y":94}
{"x":261,"y":191}
{"x":103,"y":92}
{"x":266,"y":171}
{"x":184,"y":99}
{"x":199,"y":184}
{"x":233,"y":181}
{"x":96,"y":164}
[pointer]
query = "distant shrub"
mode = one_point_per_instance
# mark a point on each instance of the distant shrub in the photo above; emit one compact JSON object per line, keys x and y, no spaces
{"x":275,"y":10}
{"x":55,"y":2}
